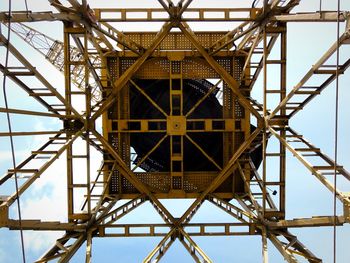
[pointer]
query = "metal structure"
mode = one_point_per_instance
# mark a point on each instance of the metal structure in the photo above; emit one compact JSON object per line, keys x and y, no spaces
{"x":110,"y":68}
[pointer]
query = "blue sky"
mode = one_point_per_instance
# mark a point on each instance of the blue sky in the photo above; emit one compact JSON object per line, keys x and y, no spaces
{"x":306,"y":197}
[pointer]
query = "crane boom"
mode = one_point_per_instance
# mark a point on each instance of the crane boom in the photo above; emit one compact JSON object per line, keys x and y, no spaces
{"x":53,"y":51}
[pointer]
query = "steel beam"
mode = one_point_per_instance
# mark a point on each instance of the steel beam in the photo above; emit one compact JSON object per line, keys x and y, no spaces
{"x":148,"y":98}
{"x":53,"y":51}
{"x":116,"y":214}
{"x":158,"y":252}
{"x":109,"y":31}
{"x":195,"y":251}
{"x":264,"y":246}
{"x":231,"y":209}
{"x":323,"y":16}
{"x":198,"y":14}
{"x":310,"y":90}
{"x":192,"y":229}
{"x":308,"y":222}
{"x":222,"y":72}
{"x":318,"y":171}
{"x":130,"y":176}
{"x":23,"y":16}
{"x":39,"y":225}
{"x":63,"y":251}
{"x":49,"y":89}
{"x":287,"y":255}
{"x":122,"y":81}
{"x":27,"y":133}
{"x":102,"y":218}
{"x":292,"y":247}
{"x":224,"y":173}
{"x":35,"y":173}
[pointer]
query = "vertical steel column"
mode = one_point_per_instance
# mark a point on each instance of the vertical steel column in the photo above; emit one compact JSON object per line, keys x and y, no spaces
{"x":106,"y":85}
{"x":123,"y":150}
{"x":264,"y":245}
{"x":67,"y":79}
{"x":282,"y":177}
{"x":87,"y":123}
{"x":228,"y":113}
{"x":88,"y":253}
{"x":265,"y":50}
{"x":76,"y":33}
{"x":177,"y":139}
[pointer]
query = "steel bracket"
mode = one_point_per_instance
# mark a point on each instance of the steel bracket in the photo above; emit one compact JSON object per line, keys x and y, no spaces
{"x":347,"y":211}
{"x":4,"y":215}
{"x":73,"y":125}
{"x":347,"y":18}
{"x":278,"y":121}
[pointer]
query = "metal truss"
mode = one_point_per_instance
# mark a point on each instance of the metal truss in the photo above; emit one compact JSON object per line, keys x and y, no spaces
{"x":89,"y":38}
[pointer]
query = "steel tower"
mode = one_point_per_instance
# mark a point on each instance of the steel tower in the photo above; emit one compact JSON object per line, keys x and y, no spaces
{"x":172,"y":115}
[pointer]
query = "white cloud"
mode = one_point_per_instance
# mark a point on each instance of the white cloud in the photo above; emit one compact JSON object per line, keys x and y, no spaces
{"x":46,"y":199}
{"x":37,"y":241}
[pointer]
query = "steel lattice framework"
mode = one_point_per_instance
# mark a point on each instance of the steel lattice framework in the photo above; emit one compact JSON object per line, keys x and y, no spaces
{"x":102,"y":64}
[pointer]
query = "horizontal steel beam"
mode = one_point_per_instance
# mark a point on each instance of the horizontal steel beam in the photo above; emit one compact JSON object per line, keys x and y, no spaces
{"x":165,"y":125}
{"x":160,"y":15}
{"x":324,"y":16}
{"x":193,"y":229}
{"x":44,"y":226}
{"x":309,"y":222}
{"x":24,"y":16}
{"x":28,"y":133}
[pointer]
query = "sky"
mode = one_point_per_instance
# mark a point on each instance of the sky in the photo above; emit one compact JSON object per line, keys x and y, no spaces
{"x":306,"y":197}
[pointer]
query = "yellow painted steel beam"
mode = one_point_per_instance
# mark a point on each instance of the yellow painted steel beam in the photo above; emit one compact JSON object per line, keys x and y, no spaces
{"x":62,"y":252}
{"x":198,"y":14}
{"x":130,"y":176}
{"x":225,"y":172}
{"x":316,"y":221}
{"x":158,"y":252}
{"x":35,"y":174}
{"x":122,"y":39}
{"x":188,"y":14}
{"x":264,"y":245}
{"x":39,"y":225}
{"x":18,"y":16}
{"x":49,"y":88}
{"x":288,"y":256}
{"x":292,"y":246}
{"x":149,"y":153}
{"x":303,"y":90}
{"x":163,"y":230}
{"x":116,"y":214}
{"x":210,"y":91}
{"x":203,"y":152}
{"x":261,"y":18}
{"x":322,"y":16}
{"x":174,"y":125}
{"x":27,"y":133}
{"x":231,"y":209}
{"x":222,"y":72}
{"x":88,"y":253}
{"x":316,"y":171}
{"x":122,"y":81}
{"x":195,"y":251}
{"x":260,"y":183}
{"x":148,"y":98}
